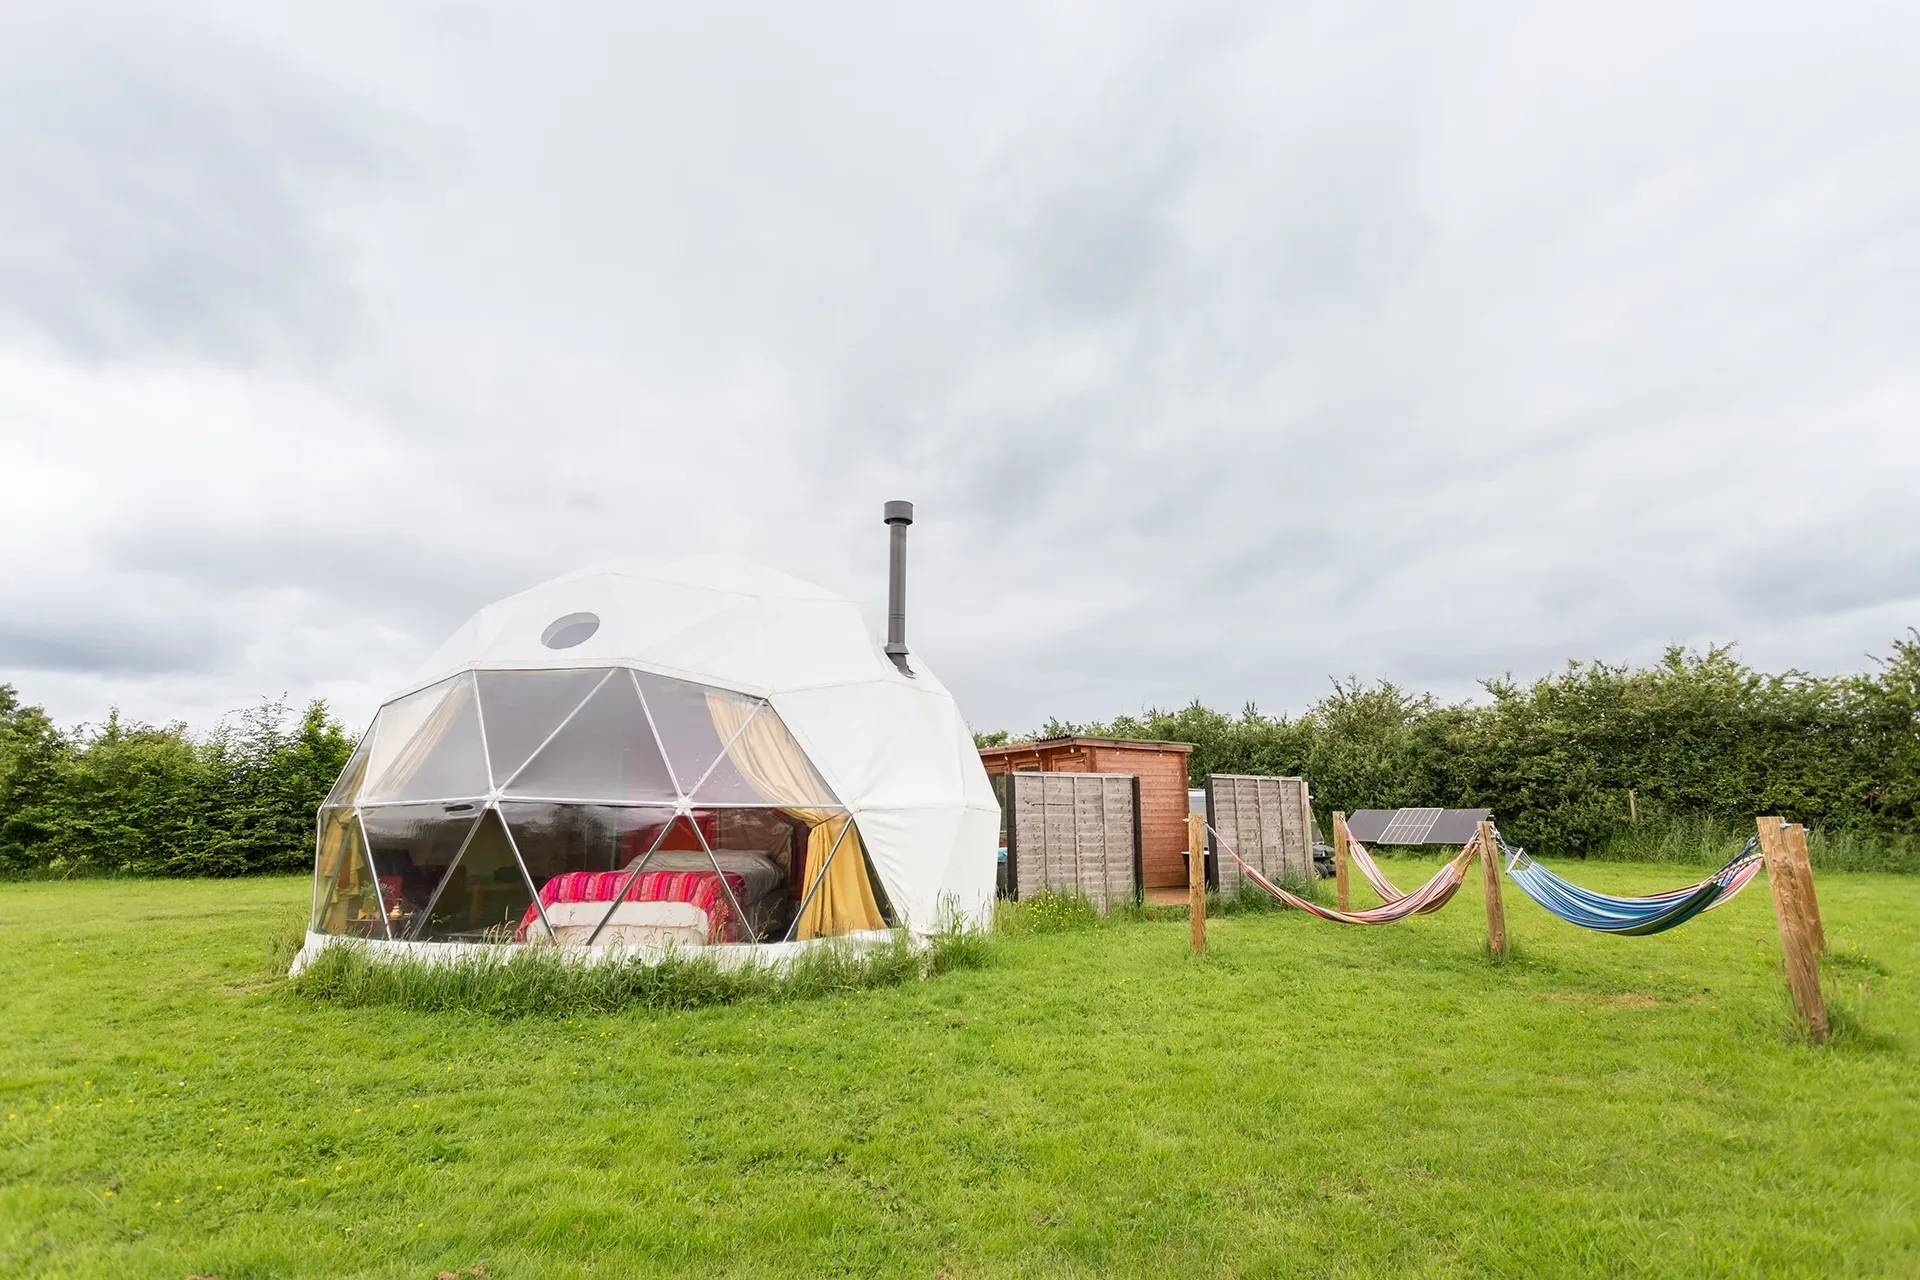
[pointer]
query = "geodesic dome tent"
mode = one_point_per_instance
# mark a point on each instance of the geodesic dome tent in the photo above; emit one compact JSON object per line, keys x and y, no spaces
{"x":685,"y":752}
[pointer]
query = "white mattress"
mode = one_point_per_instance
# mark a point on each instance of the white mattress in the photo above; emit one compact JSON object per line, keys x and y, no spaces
{"x":634,"y":924}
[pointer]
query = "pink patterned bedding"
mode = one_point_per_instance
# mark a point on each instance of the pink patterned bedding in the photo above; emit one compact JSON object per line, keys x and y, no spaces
{"x":701,"y":888}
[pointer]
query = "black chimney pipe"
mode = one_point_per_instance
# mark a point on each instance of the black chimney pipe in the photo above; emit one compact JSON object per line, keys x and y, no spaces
{"x":898,"y":516}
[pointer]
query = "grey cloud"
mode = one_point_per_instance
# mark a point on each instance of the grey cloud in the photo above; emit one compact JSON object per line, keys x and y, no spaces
{"x":165,"y":187}
{"x":1225,"y":348}
{"x":52,"y":634}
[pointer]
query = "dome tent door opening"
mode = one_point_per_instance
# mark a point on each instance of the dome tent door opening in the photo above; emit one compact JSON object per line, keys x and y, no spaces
{"x":690,"y":752}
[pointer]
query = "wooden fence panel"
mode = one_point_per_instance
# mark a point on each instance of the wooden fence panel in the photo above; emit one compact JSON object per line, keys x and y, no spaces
{"x":1073,"y":833}
{"x":1268,"y":820}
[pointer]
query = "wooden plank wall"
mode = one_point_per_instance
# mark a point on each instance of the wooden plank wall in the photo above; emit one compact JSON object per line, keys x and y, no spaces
{"x":1163,"y":808}
{"x":1073,"y":833}
{"x":1269,"y":821}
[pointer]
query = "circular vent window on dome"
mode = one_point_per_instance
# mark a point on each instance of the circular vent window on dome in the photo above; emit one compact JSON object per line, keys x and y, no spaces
{"x":565,"y":633}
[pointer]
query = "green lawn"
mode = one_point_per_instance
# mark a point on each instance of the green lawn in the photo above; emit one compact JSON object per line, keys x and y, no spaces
{"x":1309,"y":1099}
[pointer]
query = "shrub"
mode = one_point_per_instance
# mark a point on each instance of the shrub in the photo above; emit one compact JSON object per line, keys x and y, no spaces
{"x":142,"y":799}
{"x":1603,"y":759}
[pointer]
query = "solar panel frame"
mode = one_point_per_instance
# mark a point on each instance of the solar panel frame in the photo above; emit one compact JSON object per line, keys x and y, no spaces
{"x":1410,"y":826}
{"x":1415,"y":826}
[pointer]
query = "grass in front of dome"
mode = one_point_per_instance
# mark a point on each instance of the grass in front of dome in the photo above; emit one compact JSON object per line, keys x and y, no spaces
{"x":542,"y":982}
{"x":1305,"y":1099}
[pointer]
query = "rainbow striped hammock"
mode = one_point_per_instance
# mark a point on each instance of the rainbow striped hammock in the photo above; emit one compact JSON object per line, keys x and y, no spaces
{"x":1431,"y":896}
{"x":1633,"y":917}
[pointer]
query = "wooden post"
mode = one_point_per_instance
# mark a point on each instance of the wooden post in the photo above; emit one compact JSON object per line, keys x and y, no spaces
{"x":1796,"y":943}
{"x":1340,"y":838}
{"x":1197,"y":882}
{"x":1803,"y":877}
{"x":1490,"y":876}
{"x":1633,"y":809}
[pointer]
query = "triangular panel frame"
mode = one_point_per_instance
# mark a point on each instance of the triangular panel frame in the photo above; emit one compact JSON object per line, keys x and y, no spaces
{"x":509,"y":748}
{"x":492,"y":813}
{"x":613,"y":709}
{"x":342,"y":823}
{"x":444,"y":752}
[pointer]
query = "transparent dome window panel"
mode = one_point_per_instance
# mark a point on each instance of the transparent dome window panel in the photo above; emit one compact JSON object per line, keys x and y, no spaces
{"x":346,"y":788}
{"x":690,"y":879}
{"x":680,"y":890}
{"x":695,"y":733}
{"x":606,"y":751}
{"x":581,"y":857}
{"x":428,"y":746}
{"x":521,"y":709}
{"x":413,"y":848}
{"x":486,"y":896}
{"x":346,"y":898}
{"x":773,"y":832}
{"x":557,"y":840}
{"x":763,"y":764}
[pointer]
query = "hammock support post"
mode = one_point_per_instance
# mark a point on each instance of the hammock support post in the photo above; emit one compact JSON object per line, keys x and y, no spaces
{"x":1490,"y":876}
{"x":1803,"y":868}
{"x":1796,"y":939}
{"x":1340,"y":857}
{"x":1197,"y":882}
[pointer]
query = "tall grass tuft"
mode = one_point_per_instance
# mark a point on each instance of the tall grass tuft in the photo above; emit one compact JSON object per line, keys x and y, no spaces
{"x":1048,"y":912}
{"x":542,"y":982}
{"x":1709,"y":842}
{"x":1251,"y":899}
{"x":283,"y":943}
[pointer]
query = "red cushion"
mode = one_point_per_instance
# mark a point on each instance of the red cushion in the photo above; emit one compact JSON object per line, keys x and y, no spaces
{"x":701,"y":888}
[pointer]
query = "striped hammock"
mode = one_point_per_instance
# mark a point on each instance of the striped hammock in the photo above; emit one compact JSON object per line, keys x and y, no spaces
{"x":1358,"y":855}
{"x":1634,"y":917}
{"x":1431,"y":896}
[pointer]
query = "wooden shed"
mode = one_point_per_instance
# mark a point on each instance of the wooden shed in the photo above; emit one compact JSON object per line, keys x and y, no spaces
{"x":1161,"y":768}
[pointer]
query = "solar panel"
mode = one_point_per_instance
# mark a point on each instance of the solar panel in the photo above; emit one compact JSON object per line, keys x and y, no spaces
{"x":1416,"y":826}
{"x":1410,"y":826}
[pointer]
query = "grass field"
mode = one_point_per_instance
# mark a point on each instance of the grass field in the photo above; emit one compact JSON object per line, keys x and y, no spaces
{"x":1307,"y":1099}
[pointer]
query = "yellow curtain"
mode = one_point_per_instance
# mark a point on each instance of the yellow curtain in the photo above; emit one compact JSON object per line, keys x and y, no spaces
{"x":343,"y":884}
{"x":844,"y":901}
{"x":338,"y":875}
{"x":771,"y":761}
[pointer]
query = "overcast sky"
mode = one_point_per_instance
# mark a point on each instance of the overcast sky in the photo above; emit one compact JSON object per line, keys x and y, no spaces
{"x":1223,"y":348}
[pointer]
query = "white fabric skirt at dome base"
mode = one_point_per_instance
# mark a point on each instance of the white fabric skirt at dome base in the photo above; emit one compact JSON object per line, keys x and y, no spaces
{"x":729,"y":955}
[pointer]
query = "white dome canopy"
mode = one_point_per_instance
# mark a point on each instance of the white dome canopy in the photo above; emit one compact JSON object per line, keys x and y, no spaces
{"x":892,"y":748}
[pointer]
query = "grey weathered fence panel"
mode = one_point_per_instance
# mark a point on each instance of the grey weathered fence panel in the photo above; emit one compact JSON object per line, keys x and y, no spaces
{"x":1073,"y":833}
{"x":1269,"y":821}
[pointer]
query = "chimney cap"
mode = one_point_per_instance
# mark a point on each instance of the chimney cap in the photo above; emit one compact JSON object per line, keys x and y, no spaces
{"x":899,"y":513}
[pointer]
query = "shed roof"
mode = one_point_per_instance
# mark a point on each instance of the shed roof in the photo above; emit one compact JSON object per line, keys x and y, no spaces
{"x":1136,"y":744}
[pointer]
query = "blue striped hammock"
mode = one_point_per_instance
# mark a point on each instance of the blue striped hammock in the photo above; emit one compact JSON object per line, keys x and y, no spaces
{"x":1634,"y":917}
